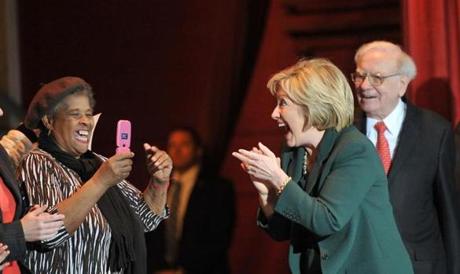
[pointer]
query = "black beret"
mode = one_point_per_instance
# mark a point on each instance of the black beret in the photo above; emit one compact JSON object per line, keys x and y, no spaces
{"x":49,"y":95}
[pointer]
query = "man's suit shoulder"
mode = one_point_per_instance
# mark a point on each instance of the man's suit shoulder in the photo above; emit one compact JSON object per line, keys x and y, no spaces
{"x":427,"y":118}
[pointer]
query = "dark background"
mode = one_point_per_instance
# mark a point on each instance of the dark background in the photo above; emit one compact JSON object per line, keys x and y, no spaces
{"x":157,"y":63}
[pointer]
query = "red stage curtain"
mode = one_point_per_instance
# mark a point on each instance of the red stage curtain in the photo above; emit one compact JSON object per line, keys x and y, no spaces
{"x":432,"y":37}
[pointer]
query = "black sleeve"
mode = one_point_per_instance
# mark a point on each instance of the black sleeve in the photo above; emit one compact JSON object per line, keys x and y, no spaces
{"x":447,"y":202}
{"x":12,"y":235}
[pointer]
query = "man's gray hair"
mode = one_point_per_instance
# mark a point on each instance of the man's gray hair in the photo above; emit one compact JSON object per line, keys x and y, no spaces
{"x":405,"y":63}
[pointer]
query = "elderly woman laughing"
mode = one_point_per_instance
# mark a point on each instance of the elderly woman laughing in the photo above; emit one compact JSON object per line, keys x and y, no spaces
{"x":105,"y":216}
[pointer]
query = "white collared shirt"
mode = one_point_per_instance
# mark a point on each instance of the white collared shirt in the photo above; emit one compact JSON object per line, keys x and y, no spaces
{"x":393,"y":123}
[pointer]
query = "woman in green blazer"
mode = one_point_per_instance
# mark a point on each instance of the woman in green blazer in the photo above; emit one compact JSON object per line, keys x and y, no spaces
{"x":329,"y":194}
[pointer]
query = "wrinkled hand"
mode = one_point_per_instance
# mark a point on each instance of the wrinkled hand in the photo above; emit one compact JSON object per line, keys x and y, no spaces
{"x":39,"y":225}
{"x":115,"y":169}
{"x":159,"y":164}
{"x":263,"y":167}
{"x":262,"y":187}
{"x":4,"y":252}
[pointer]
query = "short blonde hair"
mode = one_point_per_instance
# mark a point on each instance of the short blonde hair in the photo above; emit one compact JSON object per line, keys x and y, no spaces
{"x":321,"y":89}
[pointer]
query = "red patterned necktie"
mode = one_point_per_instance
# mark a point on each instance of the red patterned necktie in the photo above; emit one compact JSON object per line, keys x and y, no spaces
{"x":382,"y":146}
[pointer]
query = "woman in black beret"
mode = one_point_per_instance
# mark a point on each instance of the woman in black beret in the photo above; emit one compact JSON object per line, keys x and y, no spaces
{"x":105,"y":216}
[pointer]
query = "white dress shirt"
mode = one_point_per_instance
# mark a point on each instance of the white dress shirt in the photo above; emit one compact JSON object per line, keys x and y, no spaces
{"x":393,"y":123}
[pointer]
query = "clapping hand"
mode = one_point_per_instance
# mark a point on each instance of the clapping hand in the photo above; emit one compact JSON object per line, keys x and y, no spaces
{"x":263,"y":167}
{"x":39,"y":225}
{"x":262,"y":187}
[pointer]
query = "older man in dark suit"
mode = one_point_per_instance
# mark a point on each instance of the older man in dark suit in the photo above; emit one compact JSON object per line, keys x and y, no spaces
{"x":417,"y":150}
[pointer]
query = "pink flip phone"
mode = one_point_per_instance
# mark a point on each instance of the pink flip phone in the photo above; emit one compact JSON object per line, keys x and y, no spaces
{"x":123,"y":136}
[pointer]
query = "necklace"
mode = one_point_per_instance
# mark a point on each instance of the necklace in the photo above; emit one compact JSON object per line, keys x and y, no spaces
{"x":305,"y":163}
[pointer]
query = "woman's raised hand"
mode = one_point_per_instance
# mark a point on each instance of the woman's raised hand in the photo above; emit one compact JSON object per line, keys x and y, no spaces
{"x":115,"y":169}
{"x":159,"y":164}
{"x":263,"y":166}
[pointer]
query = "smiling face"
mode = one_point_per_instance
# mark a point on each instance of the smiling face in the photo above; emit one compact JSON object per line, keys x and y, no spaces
{"x":72,"y":124}
{"x":291,"y":117}
{"x":379,"y":101}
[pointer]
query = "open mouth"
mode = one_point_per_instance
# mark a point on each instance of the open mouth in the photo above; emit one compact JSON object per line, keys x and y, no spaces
{"x":288,"y":134}
{"x":285,"y":128}
{"x":366,"y":96}
{"x":82,"y":135}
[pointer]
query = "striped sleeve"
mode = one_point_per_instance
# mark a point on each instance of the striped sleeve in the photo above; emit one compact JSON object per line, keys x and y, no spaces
{"x":38,"y":173}
{"x":136,"y":199}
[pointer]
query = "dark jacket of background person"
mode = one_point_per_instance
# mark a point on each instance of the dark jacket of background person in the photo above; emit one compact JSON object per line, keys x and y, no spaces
{"x":358,"y":220}
{"x":207,"y":231}
{"x":12,"y":234}
{"x":457,"y":158}
{"x":421,"y":184}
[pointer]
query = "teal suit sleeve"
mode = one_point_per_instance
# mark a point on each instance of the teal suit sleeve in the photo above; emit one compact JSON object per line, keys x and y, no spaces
{"x":278,"y":227}
{"x":344,"y":180}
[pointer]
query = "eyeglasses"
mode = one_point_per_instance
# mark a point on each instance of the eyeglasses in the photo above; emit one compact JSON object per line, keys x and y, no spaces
{"x":374,"y":79}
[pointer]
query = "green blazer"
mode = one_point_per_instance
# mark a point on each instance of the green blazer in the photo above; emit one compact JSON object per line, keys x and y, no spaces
{"x":343,"y":210}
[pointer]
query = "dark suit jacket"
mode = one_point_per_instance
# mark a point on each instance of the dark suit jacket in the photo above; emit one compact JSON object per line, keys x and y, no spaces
{"x":457,"y":157}
{"x":421,"y":183}
{"x":343,"y":210}
{"x":12,"y":234}
{"x":207,"y":232}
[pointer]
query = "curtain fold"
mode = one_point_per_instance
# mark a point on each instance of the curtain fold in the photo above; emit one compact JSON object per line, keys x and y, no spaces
{"x":432,"y":38}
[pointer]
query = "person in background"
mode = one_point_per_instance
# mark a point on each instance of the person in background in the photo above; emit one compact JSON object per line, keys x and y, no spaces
{"x":19,"y":223}
{"x":417,"y":150}
{"x":197,"y":236}
{"x":106,"y":216}
{"x":329,"y":195}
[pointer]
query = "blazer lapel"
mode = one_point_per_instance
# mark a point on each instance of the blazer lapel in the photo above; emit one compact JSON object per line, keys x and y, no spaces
{"x":292,"y":162}
{"x":406,"y":141}
{"x":324,"y":149}
{"x":409,"y":133}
